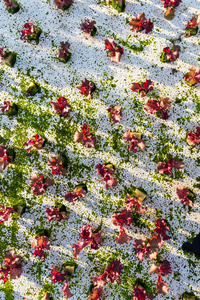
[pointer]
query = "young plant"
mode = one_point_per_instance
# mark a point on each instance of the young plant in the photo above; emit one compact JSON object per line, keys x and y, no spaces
{"x":111,"y":274}
{"x":193,"y":138}
{"x":115,"y":113}
{"x":86,"y":88}
{"x":30,"y":33}
{"x":158,"y":107}
{"x":185,"y":195}
{"x":170,"y":6}
{"x":88,"y":237}
{"x":139,"y":293}
{"x":56,"y":276}
{"x":193,"y":76}
{"x":106,"y":170}
{"x":41,"y":244}
{"x":192,"y":26}
{"x":5,"y":212}
{"x":33,"y":89}
{"x":56,"y":166}
{"x":61,"y":107}
{"x":114,"y":51}
{"x":13,"y":267}
{"x":8,"y":57}
{"x":39,"y":184}
{"x":88,"y":28}
{"x":6,"y":157}
{"x":11,"y":6}
{"x":166,"y":168}
{"x":62,"y":4}
{"x":170,"y":55}
{"x":79,"y":191}
{"x":85,"y":137}
{"x":63,"y":54}
{"x":57,"y":213}
{"x":9,"y":108}
{"x":36,"y":141}
{"x":134,"y":139}
{"x":142,"y":88}
{"x":119,"y":5}
{"x":140,"y":23}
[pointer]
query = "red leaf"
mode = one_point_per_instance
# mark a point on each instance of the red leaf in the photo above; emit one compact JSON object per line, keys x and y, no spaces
{"x":61,"y":106}
{"x":57,"y":276}
{"x":114,"y":50}
{"x":123,"y":238}
{"x":77,"y":248}
{"x":115,"y":114}
{"x":139,"y":293}
{"x":5,"y":213}
{"x":66,"y":290}
{"x":122,"y":218}
{"x":161,"y":286}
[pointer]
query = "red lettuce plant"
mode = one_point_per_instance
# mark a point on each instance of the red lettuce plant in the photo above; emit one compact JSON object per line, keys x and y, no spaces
{"x":135,"y":140}
{"x":170,"y":55}
{"x":62,"y":4}
{"x":161,"y":229}
{"x":39,"y":184}
{"x":41,"y":244}
{"x":192,"y":77}
{"x":9,"y":108}
{"x":192,"y":26}
{"x":161,"y":286}
{"x":36,"y":141}
{"x":12,"y":6}
{"x":85,"y":137}
{"x":105,"y":170}
{"x":86,"y":87}
{"x":79,"y":191}
{"x":148,"y":248}
{"x":114,"y":51}
{"x":88,"y":237}
{"x":133,"y":202}
{"x":163,"y":269}
{"x":111,"y":273}
{"x":61,"y":277}
{"x":30,"y":32}
{"x":194,"y":138}
{"x":115,"y":114}
{"x":123,"y":237}
{"x":5,"y":159}
{"x":5,"y":212}
{"x":183,"y":193}
{"x":140,"y":23}
{"x":13,"y":266}
{"x":61,"y":107}
{"x":170,"y":6}
{"x":142,"y":88}
{"x":63,"y":54}
{"x":96,"y":294}
{"x":56,"y":166}
{"x":56,"y":213}
{"x":88,"y":28}
{"x":166,"y":168}
{"x":139,"y":293}
{"x":158,"y":107}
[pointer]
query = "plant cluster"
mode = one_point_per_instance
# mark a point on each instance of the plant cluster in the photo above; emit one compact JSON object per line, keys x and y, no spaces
{"x":105,"y":171}
{"x":134,"y":139}
{"x":88,"y":237}
{"x":85,"y":137}
{"x":140,"y":23}
{"x":157,"y":107}
{"x":114,"y":51}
